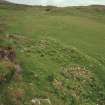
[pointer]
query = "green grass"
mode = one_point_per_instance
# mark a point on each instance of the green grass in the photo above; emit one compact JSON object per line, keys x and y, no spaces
{"x":61,"y":53}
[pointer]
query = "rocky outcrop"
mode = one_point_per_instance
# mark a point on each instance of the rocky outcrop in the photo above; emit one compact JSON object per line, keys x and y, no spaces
{"x":7,"y":53}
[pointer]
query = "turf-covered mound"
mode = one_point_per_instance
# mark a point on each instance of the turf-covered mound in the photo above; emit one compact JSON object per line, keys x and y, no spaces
{"x":51,"y":74}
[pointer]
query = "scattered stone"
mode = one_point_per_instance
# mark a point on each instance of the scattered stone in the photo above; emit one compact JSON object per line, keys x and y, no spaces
{"x":38,"y":101}
{"x":35,"y":101}
{"x":76,"y":72}
{"x":58,"y":84}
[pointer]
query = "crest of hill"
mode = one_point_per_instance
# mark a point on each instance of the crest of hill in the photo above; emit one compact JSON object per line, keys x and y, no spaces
{"x":3,"y":1}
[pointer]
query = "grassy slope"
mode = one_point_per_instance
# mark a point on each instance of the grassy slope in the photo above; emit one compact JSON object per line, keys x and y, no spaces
{"x":43,"y":52}
{"x":77,"y":26}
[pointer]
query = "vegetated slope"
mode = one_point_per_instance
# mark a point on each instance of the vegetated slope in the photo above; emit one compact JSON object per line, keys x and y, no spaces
{"x":50,"y":72}
{"x":82,"y":27}
{"x":38,"y":64}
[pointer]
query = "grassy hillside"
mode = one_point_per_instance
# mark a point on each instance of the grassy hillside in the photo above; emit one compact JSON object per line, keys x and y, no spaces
{"x":52,"y":56}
